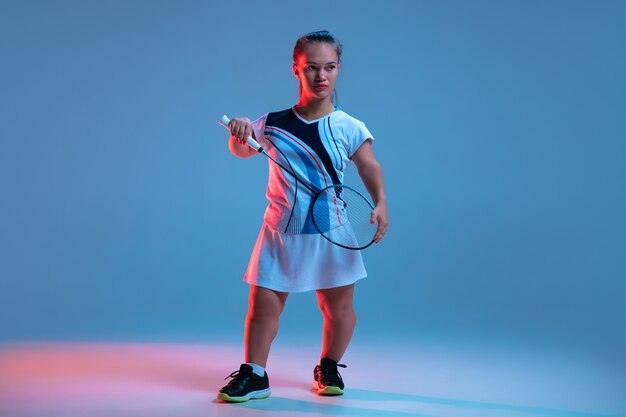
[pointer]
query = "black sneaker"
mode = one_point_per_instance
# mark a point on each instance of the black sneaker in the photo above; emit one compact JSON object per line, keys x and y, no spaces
{"x":245,"y":385}
{"x":326,"y":378}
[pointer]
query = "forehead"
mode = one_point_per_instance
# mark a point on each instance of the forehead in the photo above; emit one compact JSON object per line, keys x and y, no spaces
{"x":318,"y":52}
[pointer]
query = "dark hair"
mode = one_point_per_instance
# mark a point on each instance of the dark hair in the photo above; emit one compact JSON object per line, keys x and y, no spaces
{"x":319,"y":36}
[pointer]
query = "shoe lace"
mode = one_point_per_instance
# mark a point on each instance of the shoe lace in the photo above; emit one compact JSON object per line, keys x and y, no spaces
{"x":332,"y":371}
{"x":236,"y":377}
{"x":233,"y":375}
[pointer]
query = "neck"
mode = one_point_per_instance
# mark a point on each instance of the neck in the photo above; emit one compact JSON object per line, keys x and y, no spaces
{"x":311,"y":108}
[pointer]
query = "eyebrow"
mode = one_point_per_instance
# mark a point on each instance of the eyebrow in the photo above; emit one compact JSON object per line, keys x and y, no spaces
{"x":315,"y":63}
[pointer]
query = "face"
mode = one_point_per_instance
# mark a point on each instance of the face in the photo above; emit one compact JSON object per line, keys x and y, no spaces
{"x":317,"y":69}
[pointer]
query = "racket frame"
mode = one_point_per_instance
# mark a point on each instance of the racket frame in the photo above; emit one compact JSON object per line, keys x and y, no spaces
{"x":251,"y":142}
{"x":314,"y":200}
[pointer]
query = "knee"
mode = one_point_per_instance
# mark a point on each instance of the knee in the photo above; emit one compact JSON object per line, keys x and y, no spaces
{"x":264,"y":311}
{"x":264,"y":304}
{"x":338,"y":311}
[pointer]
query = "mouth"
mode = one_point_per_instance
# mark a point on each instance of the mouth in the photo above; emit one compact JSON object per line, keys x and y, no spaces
{"x":320,"y":86}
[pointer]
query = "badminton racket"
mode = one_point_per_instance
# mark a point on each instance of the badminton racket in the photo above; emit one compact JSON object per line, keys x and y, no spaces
{"x":339,"y":213}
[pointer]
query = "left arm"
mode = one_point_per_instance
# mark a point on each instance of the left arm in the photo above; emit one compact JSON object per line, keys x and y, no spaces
{"x":371,"y":173}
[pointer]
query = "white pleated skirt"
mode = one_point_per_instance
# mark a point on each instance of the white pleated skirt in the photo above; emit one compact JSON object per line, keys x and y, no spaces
{"x":301,"y":262}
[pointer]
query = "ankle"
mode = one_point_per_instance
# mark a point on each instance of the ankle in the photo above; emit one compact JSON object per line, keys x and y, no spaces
{"x":327,"y":359}
{"x":257,"y":369}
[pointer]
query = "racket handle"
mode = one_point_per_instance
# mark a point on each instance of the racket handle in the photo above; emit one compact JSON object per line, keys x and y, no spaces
{"x":224,"y":121}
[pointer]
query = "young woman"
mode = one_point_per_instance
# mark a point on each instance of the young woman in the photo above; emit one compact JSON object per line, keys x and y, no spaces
{"x":317,"y":140}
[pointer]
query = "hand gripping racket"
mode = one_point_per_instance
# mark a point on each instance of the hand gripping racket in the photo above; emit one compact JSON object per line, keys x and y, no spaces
{"x":339,"y":213}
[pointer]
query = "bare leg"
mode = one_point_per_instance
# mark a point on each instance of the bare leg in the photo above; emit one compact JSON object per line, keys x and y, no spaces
{"x":339,"y":320}
{"x":264,"y":308}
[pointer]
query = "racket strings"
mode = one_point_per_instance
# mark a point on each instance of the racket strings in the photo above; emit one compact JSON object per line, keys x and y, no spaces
{"x":342,"y":215}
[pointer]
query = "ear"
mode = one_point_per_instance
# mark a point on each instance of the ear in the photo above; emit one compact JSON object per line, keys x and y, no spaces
{"x":294,"y":68}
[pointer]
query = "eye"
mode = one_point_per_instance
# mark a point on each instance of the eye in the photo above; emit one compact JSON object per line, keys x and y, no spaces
{"x":310,"y":67}
{"x":330,"y":68}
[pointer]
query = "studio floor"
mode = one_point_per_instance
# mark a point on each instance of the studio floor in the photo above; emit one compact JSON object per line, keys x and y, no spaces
{"x":158,"y":379}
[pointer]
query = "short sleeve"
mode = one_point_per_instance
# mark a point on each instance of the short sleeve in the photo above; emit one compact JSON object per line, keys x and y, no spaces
{"x":359,"y":134}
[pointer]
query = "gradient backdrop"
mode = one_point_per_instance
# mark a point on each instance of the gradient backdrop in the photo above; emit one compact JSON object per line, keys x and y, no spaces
{"x":500,"y":126}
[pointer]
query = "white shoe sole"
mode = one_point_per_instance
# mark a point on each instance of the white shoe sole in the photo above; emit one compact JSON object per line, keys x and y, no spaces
{"x":253,"y":395}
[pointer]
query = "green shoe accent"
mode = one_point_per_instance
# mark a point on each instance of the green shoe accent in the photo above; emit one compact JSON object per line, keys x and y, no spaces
{"x":225,"y":397}
{"x":330,"y":391}
{"x":228,"y":398}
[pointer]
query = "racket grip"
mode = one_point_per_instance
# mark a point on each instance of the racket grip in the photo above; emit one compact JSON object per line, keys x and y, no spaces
{"x":224,"y":121}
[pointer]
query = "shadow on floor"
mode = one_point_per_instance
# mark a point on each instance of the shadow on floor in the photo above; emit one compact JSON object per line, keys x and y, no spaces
{"x":275,"y":403}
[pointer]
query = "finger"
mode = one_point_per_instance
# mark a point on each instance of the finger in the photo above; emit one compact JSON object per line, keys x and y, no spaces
{"x":380,"y":232}
{"x":377,"y":234}
{"x":373,"y":217}
{"x":237,"y":137}
{"x":246,"y":132}
{"x":241,"y":132}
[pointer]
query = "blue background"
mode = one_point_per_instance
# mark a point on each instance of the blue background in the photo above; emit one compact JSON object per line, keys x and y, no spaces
{"x":499,"y":125}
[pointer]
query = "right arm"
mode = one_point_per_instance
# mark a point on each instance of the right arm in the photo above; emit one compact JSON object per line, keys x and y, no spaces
{"x":240,"y":129}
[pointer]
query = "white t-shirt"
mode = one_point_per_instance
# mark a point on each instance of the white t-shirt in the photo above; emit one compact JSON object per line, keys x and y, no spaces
{"x":318,"y":151}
